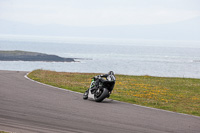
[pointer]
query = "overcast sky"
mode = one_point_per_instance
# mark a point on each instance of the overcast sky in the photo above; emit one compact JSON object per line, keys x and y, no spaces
{"x":99,"y":13}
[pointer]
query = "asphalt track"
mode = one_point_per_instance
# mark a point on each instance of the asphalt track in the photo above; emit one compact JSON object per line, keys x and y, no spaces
{"x":29,"y":107}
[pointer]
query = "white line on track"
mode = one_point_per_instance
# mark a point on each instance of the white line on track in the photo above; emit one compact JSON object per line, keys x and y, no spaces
{"x":113,"y":100}
{"x":49,"y":85}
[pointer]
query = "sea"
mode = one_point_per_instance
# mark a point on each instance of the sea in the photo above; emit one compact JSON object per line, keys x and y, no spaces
{"x":94,"y":55}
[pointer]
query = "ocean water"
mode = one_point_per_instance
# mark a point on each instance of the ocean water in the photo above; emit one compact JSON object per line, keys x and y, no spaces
{"x":136,"y":58}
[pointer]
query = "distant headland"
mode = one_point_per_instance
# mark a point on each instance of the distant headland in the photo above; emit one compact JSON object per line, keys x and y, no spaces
{"x":31,"y":56}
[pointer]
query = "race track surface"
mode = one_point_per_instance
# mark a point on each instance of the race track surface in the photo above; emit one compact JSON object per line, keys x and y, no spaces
{"x":29,"y":107}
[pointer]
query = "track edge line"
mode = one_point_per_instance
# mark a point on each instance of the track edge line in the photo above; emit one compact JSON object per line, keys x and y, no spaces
{"x":26,"y":76}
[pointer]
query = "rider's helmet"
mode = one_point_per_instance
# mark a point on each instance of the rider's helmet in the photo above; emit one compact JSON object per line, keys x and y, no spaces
{"x":111,"y":76}
{"x":111,"y":73}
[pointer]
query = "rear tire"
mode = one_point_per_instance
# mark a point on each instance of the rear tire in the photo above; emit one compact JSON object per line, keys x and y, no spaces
{"x":103,"y":95}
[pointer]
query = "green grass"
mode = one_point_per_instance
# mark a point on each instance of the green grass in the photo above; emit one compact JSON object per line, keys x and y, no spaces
{"x":174,"y":94}
{"x":3,"y":132}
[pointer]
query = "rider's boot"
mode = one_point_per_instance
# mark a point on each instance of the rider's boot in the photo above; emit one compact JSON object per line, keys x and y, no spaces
{"x":85,"y":95}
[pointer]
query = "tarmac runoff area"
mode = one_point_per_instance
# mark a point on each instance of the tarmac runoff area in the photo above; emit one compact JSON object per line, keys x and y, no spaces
{"x":27,"y":106}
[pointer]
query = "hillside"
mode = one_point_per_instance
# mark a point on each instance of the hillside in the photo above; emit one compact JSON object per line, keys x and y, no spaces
{"x":31,"y":56}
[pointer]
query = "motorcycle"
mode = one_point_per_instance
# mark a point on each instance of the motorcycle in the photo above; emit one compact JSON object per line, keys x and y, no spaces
{"x":100,"y":88}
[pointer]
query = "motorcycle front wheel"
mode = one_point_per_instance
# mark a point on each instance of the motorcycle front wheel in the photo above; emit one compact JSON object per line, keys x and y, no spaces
{"x":101,"y":95}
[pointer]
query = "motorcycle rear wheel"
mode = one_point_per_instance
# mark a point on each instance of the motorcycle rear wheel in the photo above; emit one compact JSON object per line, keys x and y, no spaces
{"x":103,"y":95}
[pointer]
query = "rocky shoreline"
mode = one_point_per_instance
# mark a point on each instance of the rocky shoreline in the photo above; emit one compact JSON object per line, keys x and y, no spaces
{"x":31,"y":56}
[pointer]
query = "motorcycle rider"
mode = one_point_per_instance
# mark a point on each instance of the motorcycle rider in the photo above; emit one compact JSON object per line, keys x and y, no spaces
{"x":97,"y":79}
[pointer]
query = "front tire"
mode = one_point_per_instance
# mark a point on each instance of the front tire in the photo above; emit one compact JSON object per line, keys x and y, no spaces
{"x":102,"y":96}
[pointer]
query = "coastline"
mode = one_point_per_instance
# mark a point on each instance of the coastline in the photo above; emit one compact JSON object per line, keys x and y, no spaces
{"x":31,"y":56}
{"x":128,"y":60}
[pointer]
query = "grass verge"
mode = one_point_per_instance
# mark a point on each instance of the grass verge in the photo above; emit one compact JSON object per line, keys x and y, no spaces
{"x":3,"y":132}
{"x":174,"y":94}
